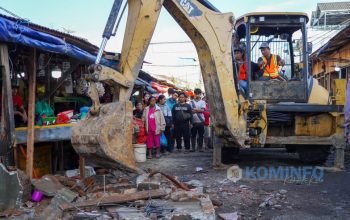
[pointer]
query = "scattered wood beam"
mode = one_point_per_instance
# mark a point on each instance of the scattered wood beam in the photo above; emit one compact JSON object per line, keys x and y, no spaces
{"x":116,"y":199}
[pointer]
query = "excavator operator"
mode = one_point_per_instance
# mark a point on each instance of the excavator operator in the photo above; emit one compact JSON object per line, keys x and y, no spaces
{"x":269,"y":63}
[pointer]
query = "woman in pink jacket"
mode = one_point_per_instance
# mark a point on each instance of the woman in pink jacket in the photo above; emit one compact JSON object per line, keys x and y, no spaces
{"x":155,"y":125}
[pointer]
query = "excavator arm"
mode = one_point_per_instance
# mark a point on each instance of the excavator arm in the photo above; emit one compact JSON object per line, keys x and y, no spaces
{"x":105,"y":137}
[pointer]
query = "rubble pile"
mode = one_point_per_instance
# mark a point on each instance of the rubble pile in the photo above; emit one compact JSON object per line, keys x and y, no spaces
{"x":147,"y":196}
{"x":274,"y":200}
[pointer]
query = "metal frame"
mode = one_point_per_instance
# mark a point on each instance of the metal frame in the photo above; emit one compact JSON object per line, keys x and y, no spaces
{"x":305,"y":72}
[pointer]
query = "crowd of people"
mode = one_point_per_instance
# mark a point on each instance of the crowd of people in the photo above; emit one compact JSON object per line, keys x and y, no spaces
{"x":184,"y":122}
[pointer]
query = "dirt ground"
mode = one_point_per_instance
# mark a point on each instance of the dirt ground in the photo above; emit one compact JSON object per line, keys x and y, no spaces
{"x":262,"y":199}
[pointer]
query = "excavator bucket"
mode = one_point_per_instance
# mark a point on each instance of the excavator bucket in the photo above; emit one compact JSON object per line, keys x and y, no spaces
{"x":106,"y":140}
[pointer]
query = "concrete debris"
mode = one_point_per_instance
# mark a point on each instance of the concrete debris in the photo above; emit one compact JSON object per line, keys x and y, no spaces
{"x":224,"y":181}
{"x":89,"y":171}
{"x":63,"y":197}
{"x":216,"y":202}
{"x":207,"y":205}
{"x":229,"y":216}
{"x":191,"y":210}
{"x":29,"y":204}
{"x":172,"y":179}
{"x":244,"y":187}
{"x":48,"y":185}
{"x":92,"y":197}
{"x":199,"y":169}
{"x":272,"y":200}
{"x":277,"y":206}
{"x":144,"y":182}
{"x":13,"y":189}
{"x":195,"y":183}
{"x":129,"y":213}
{"x":282,"y":191}
{"x":92,"y":215}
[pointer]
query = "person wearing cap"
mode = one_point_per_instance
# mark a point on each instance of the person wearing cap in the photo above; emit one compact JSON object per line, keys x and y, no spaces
{"x":269,"y":63}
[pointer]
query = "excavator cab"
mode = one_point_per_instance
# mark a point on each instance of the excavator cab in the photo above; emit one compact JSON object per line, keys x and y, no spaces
{"x":285,"y":33}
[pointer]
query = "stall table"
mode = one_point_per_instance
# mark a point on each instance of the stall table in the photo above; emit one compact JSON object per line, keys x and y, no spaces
{"x":48,"y":133}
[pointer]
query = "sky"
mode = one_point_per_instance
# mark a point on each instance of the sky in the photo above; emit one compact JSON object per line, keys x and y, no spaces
{"x":87,"y":18}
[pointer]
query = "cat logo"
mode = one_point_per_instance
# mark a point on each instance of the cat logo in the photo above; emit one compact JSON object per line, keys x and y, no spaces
{"x":190,"y":8}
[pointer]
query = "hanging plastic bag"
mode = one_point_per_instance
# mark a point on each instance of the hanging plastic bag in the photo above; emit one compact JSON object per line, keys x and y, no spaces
{"x":43,"y":108}
{"x":163,"y":140}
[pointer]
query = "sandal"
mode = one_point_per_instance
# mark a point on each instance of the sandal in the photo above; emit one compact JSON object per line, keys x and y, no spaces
{"x":149,"y":157}
{"x":157,"y":155}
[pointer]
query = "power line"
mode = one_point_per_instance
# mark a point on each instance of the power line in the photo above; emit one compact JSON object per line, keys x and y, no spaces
{"x":171,"y":42}
{"x":13,"y":14}
{"x":170,"y":65}
{"x":328,"y":33}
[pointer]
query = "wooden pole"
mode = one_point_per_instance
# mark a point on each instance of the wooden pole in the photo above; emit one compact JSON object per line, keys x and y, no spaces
{"x":82,"y":167}
{"x":31,"y":112}
{"x":7,"y":124}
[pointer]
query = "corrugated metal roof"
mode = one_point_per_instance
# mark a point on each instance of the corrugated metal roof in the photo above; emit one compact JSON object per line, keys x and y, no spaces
{"x":330,"y":6}
{"x":77,"y":41}
{"x":336,"y":42}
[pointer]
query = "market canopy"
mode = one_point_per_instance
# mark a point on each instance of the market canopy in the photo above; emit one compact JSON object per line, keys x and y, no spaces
{"x":18,"y":31}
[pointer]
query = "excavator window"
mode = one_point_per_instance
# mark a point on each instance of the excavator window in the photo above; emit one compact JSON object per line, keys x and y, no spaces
{"x":285,"y":37}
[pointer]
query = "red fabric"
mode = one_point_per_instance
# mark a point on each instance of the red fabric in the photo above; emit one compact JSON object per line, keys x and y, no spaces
{"x":17,"y":101}
{"x":189,"y":93}
{"x":206,"y":114}
{"x":243,"y":72}
{"x":159,"y":88}
{"x":141,"y":136}
{"x":151,"y":120}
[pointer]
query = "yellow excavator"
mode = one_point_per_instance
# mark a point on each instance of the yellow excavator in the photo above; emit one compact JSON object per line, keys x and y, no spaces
{"x":296,"y":112}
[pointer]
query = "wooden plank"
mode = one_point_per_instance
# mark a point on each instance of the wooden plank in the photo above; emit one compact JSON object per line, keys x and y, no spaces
{"x":301,"y":140}
{"x":31,"y":112}
{"x":82,"y":167}
{"x":116,"y":199}
{"x":7,"y":125}
{"x":61,"y":157}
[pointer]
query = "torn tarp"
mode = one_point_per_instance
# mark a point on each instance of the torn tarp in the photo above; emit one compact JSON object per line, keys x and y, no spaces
{"x":19,"y":32}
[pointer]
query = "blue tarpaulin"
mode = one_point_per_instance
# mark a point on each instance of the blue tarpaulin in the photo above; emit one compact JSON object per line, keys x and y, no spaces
{"x":18,"y":32}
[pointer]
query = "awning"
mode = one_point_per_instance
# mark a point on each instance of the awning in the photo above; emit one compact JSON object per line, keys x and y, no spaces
{"x":19,"y":32}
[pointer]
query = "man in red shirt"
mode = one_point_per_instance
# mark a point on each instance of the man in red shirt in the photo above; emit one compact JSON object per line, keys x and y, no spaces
{"x":207,"y":131}
{"x":18,"y":109}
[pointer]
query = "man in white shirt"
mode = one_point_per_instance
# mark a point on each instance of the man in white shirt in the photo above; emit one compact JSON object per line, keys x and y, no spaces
{"x":197,"y":130}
